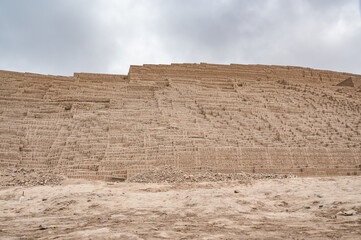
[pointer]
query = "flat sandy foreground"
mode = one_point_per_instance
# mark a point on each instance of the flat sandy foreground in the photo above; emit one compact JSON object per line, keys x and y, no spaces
{"x":298,"y":208}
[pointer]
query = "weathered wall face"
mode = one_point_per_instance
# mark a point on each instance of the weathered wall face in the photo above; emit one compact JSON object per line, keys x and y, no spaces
{"x":224,"y":118}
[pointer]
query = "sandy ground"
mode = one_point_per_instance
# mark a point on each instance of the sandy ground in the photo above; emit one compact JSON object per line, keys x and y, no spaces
{"x":300,"y":208}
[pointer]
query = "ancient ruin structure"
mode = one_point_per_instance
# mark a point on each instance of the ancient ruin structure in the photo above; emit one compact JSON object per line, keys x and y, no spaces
{"x":223,"y":118}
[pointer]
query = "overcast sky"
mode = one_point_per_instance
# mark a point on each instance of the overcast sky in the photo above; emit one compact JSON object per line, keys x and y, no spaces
{"x":65,"y":36}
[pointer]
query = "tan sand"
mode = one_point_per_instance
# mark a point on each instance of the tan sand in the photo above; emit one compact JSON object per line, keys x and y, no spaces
{"x":296,"y":208}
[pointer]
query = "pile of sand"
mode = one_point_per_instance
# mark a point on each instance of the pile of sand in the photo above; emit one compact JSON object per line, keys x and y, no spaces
{"x":28,"y":177}
{"x":170,"y":174}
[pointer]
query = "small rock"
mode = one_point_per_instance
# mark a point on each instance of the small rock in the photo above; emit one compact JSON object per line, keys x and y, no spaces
{"x":333,"y":216}
{"x":236,"y":191}
{"x":43,"y":227}
{"x":163,"y":235}
{"x":320,"y":206}
{"x":306,"y":207}
{"x":117,"y":216}
{"x":349,"y":213}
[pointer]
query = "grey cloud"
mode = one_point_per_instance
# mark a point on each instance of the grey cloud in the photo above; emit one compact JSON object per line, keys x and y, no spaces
{"x":273,"y":32}
{"x":61,"y":37}
{"x":52,"y":37}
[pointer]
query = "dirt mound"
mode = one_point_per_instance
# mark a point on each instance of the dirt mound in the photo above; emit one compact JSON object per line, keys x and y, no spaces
{"x":28,"y":177}
{"x":169,"y":174}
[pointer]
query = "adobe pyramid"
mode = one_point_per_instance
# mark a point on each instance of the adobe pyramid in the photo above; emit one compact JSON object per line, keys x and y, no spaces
{"x":194,"y":117}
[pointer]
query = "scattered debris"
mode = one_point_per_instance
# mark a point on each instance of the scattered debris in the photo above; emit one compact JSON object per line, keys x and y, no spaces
{"x":169,"y":174}
{"x":28,"y":177}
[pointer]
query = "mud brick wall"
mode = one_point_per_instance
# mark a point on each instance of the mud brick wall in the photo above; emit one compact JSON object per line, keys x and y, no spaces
{"x":221,"y":118}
